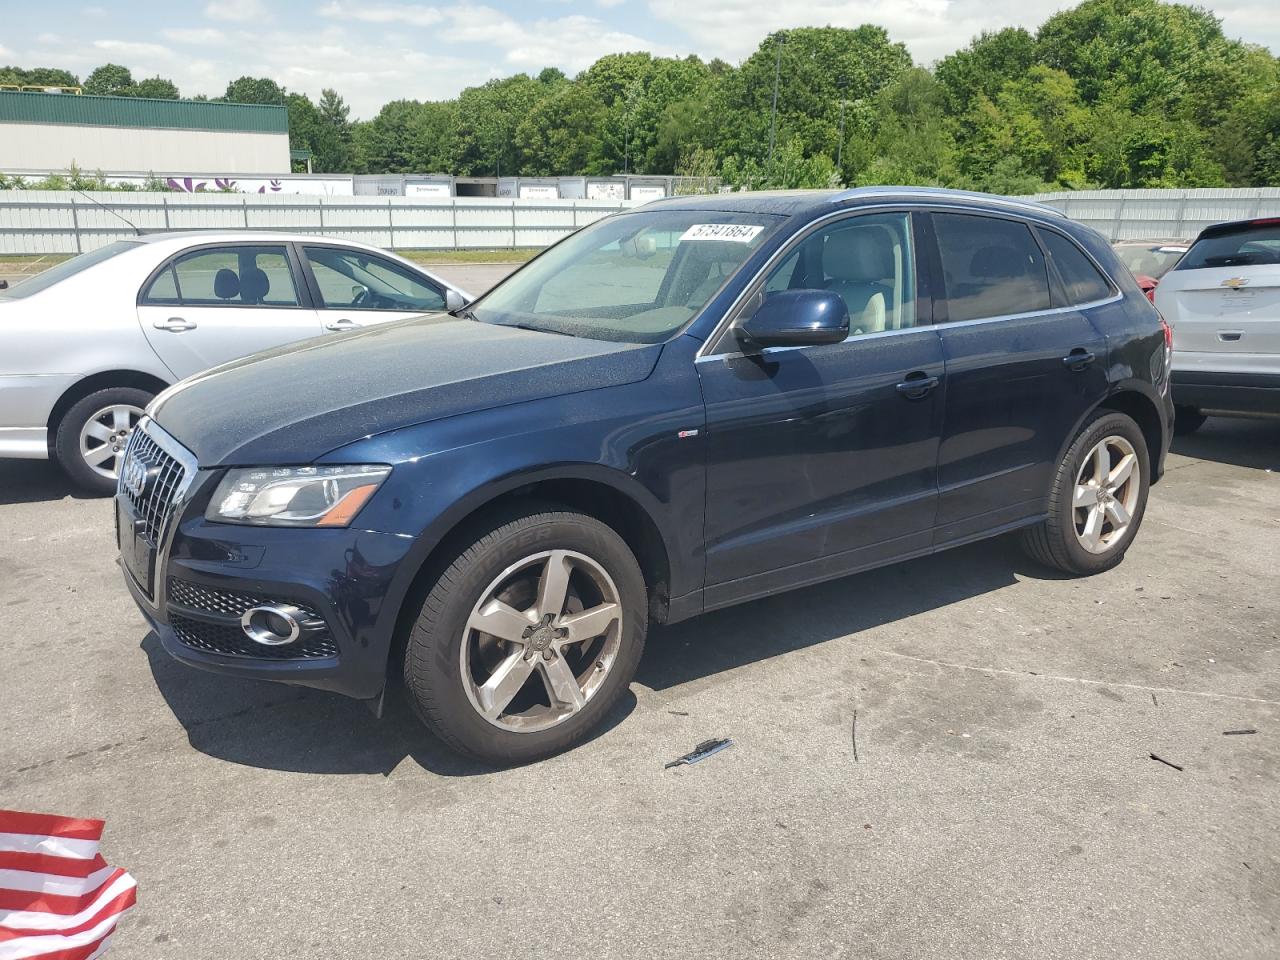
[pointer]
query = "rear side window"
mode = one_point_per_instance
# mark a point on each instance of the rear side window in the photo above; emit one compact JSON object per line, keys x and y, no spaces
{"x":991,"y":267}
{"x":226,"y":276}
{"x":1240,"y":245}
{"x":1081,"y":280}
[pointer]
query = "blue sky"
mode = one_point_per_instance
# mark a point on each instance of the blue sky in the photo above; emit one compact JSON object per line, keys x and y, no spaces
{"x":373,"y":51}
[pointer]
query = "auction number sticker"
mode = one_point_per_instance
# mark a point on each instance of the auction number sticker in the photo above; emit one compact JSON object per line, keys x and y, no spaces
{"x":733,"y":232}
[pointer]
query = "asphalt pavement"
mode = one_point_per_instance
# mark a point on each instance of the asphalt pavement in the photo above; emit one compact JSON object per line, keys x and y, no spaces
{"x":947,"y":758}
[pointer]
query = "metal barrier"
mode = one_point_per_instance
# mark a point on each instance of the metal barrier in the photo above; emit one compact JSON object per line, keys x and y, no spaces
{"x":1162,"y":214}
{"x":55,"y":221}
{"x":49,"y":221}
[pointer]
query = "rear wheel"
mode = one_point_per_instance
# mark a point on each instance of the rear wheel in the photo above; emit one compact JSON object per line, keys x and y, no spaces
{"x":91,"y":437}
{"x":1187,"y":420}
{"x":1097,"y":500}
{"x":528,"y":638}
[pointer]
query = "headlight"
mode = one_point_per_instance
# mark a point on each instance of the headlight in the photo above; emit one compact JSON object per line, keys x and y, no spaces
{"x":324,"y":496}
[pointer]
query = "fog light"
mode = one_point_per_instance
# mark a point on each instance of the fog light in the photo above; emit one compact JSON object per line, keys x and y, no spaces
{"x":273,"y":625}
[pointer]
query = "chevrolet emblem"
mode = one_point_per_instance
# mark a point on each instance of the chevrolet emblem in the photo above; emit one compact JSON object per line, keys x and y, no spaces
{"x":1235,"y":283}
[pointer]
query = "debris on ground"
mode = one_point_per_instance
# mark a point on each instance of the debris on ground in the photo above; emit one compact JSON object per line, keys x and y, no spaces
{"x":1238,"y":733}
{"x":1167,"y":763}
{"x":855,"y":736}
{"x":678,"y":713}
{"x":699,"y":753}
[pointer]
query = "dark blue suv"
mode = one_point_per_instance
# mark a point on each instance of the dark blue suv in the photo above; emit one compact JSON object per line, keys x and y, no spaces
{"x":696,"y":403}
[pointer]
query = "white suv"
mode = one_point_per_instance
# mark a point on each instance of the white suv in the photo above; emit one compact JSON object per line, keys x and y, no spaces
{"x":1223,"y":302}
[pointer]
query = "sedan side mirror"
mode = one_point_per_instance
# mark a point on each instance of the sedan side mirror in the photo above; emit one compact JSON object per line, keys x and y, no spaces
{"x":797,"y":318}
{"x":453,"y":300}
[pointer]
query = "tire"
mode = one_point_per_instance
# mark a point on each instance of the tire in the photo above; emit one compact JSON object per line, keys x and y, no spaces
{"x":1067,"y":540}
{"x":1187,"y":420}
{"x":70,"y":440}
{"x":450,"y":663}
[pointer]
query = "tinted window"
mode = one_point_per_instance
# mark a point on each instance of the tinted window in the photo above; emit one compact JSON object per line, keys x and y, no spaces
{"x":991,"y":267}
{"x":1246,"y":245}
{"x":354,"y":279}
{"x":68,"y":268}
{"x":225,"y":276}
{"x":867,"y":260}
{"x":1081,"y":280}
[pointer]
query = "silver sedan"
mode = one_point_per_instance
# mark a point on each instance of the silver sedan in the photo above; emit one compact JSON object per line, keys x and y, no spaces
{"x":87,"y":343}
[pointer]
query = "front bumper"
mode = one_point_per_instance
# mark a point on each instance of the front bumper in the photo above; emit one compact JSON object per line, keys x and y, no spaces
{"x":343,"y":575}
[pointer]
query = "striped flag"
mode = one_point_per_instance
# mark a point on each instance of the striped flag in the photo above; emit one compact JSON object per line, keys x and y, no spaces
{"x":58,"y":898}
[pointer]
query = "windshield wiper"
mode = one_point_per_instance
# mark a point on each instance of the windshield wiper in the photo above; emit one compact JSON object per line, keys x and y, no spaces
{"x":529,"y":326}
{"x":463,"y":313}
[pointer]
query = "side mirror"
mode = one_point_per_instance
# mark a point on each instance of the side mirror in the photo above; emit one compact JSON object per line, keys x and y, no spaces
{"x":797,"y":318}
{"x":453,"y":300}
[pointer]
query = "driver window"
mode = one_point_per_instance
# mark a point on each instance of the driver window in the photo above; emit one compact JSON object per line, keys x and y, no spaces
{"x":868,"y":261}
{"x":353,"y":279}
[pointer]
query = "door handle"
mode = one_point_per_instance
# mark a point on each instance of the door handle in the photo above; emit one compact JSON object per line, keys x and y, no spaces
{"x":917,"y":385}
{"x":175,"y":325}
{"x":1078,"y":359}
{"x":344,"y":324}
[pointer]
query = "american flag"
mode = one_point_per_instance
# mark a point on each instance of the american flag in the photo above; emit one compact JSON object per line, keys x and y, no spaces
{"x":58,"y":898}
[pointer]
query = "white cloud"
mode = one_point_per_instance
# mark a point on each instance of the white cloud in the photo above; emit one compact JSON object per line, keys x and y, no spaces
{"x":96,"y":12}
{"x":127,"y":49}
{"x":571,"y":42}
{"x":609,"y":3}
{"x":414,"y":15}
{"x":237,"y":11}
{"x":196,"y":36}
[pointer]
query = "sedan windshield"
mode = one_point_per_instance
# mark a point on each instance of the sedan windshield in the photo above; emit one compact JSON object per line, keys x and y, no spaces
{"x":634,"y":278}
{"x":1152,"y":261}
{"x":68,"y":268}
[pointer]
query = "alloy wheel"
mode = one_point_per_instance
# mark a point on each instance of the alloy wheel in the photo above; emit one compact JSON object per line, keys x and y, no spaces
{"x":105,"y":435}
{"x":541,"y":640}
{"x":1106,"y":494}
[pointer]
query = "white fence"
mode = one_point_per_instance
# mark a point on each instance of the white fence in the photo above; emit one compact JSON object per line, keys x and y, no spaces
{"x":1162,"y":214}
{"x":54,"y":221}
{"x":47,"y":221}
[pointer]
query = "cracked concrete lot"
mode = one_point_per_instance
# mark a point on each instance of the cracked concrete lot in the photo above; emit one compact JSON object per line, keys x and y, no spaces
{"x":1003,"y":802}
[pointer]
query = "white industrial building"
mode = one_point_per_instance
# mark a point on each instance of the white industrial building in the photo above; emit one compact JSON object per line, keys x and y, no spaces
{"x":52,"y":131}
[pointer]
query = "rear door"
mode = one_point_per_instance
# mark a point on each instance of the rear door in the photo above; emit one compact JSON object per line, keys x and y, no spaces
{"x":1223,"y":300}
{"x":354,"y":288}
{"x":219,"y":302}
{"x":1022,"y":368}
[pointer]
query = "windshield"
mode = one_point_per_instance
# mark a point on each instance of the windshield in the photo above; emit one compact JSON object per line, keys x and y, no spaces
{"x":1246,"y":245}
{"x":1152,"y":261}
{"x":68,"y":268}
{"x":634,"y":278}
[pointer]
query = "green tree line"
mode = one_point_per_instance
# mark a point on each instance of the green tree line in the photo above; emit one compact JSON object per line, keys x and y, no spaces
{"x":1110,"y":94}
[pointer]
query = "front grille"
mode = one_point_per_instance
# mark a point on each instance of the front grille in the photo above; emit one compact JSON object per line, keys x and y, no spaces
{"x":222,"y":633}
{"x":165,"y":475}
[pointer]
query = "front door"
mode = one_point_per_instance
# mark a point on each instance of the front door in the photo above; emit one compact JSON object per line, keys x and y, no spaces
{"x":1022,"y":369}
{"x":354,"y":288}
{"x":823,"y":459}
{"x":222,"y":302}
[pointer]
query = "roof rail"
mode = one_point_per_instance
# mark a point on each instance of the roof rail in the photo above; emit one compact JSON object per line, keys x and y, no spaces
{"x":939,"y":193}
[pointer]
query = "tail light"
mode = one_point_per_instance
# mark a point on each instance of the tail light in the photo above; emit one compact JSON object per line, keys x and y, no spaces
{"x":1151,"y":294}
{"x":1168,"y":330}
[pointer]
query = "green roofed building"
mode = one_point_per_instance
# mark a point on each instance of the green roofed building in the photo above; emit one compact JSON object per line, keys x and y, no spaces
{"x":51,"y":131}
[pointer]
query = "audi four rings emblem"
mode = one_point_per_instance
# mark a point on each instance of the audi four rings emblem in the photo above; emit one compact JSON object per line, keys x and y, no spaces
{"x":134,"y":476}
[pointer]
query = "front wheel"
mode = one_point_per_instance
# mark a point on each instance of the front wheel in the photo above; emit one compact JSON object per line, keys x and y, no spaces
{"x":92,"y":435}
{"x":1097,"y":500}
{"x":528,"y":637}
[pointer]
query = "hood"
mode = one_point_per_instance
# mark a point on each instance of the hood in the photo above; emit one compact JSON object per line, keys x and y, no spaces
{"x":297,"y":403}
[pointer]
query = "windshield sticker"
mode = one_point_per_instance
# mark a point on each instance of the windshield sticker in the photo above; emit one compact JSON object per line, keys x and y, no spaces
{"x":733,"y":232}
